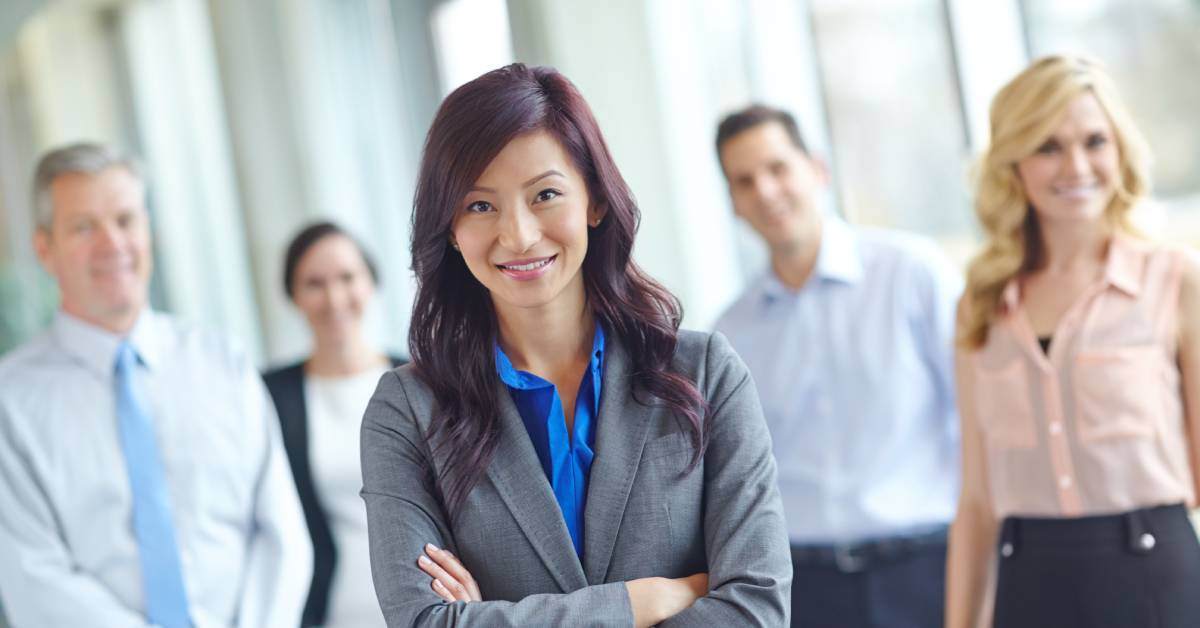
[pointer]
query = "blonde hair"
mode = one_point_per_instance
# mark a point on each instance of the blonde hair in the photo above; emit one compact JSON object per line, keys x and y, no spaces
{"x":1024,"y":114}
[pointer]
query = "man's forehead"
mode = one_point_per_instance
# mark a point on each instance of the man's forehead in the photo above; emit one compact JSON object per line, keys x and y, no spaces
{"x":115,"y":184}
{"x":757,"y":147}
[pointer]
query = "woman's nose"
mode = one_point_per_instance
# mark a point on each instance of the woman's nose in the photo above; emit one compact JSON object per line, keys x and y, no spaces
{"x":519,"y":228}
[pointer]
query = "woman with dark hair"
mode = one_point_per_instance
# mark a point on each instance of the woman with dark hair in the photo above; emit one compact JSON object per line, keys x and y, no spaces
{"x":331,"y":279}
{"x":580,"y":460}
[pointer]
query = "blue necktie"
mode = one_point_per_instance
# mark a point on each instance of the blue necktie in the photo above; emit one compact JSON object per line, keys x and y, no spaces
{"x":162,"y":576}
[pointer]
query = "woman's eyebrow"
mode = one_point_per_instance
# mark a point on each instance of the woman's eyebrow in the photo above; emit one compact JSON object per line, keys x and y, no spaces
{"x":545,"y":174}
{"x":551,"y":172}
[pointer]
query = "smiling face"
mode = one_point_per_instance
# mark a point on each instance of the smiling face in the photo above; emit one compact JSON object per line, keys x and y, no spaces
{"x":523,"y":227}
{"x":1072,"y":176}
{"x":332,"y":287}
{"x":773,"y":184}
{"x":97,"y":246}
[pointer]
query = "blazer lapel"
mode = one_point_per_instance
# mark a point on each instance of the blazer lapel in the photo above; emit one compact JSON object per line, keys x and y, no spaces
{"x":521,"y":482}
{"x":621,"y":431}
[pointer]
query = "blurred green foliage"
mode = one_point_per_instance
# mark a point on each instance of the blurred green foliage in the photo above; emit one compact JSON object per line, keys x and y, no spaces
{"x":26,"y":306}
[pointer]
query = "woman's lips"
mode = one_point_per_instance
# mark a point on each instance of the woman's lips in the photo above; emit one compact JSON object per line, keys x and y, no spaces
{"x":527,"y":269}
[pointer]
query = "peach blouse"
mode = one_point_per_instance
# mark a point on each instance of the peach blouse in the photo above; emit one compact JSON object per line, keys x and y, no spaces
{"x":1097,"y":425}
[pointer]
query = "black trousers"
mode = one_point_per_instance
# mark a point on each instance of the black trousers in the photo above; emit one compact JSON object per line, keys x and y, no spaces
{"x":873,"y":587}
{"x":1139,"y":569}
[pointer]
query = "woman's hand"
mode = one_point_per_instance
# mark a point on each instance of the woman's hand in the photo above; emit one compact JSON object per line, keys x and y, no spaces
{"x":654,"y":600}
{"x":451,"y":580}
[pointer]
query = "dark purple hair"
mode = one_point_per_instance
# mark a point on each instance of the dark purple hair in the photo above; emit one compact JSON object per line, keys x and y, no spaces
{"x":453,"y":331}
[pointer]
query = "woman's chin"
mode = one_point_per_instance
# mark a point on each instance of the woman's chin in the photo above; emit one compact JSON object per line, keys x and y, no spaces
{"x":1072,"y":214}
{"x":338,"y":333}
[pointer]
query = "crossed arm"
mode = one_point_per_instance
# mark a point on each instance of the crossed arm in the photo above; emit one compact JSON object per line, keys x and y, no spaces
{"x":749,"y":567}
{"x":652,"y":600}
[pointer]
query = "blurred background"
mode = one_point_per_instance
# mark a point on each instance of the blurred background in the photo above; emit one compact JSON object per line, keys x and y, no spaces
{"x":256,"y":116}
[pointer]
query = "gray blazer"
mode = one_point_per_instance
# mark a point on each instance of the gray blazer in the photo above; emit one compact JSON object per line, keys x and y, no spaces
{"x":643,"y":516}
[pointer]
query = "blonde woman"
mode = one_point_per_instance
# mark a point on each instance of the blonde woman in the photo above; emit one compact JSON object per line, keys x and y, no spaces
{"x":1077,"y":375}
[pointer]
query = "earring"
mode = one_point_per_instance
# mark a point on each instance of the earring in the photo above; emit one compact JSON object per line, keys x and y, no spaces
{"x":454,"y":245}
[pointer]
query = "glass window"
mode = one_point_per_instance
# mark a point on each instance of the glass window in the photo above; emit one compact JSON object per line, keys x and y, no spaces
{"x":899,"y":148}
{"x":471,"y":37}
{"x":1150,"y":48}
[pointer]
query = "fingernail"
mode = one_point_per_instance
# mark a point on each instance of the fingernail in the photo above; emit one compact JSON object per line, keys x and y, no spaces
{"x":424,"y":561}
{"x":432,"y":547}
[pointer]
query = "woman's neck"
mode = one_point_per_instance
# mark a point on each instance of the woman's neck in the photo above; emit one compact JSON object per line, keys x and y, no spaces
{"x":343,"y":358}
{"x":1072,"y":246}
{"x":547,"y":341}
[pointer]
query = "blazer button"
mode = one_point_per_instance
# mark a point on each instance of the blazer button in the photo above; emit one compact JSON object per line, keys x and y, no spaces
{"x":1146,"y":542}
{"x":1006,"y":550}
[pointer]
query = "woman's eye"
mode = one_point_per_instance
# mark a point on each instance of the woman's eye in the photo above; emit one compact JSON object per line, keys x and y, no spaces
{"x":1048,"y":148}
{"x":479,"y":207}
{"x":547,"y":194}
{"x":1096,"y":141}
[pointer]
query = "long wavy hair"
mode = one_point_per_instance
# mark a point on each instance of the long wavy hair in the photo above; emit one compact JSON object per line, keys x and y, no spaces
{"x":1024,"y":114}
{"x":454,"y":327}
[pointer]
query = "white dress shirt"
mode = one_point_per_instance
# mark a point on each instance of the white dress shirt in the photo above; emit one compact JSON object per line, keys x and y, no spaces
{"x":70,"y":557}
{"x":855,"y":374}
{"x":335,"y":407}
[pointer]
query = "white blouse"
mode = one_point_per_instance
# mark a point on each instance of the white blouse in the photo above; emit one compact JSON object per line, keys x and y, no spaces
{"x":335,"y":408}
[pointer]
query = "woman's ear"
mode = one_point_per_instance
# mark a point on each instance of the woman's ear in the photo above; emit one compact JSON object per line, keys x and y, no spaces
{"x":596,"y":214}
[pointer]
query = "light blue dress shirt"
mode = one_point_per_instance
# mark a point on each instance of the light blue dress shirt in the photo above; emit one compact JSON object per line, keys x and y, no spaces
{"x":566,"y":459}
{"x":855,"y":374}
{"x":68,"y":552}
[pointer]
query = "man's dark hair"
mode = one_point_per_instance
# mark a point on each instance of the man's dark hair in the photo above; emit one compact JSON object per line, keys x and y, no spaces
{"x":753,"y":116}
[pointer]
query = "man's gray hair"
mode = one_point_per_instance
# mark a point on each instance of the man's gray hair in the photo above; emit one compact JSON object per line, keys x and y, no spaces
{"x":83,"y":158}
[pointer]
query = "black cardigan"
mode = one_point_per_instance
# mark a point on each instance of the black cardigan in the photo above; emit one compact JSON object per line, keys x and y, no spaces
{"x":286,"y":386}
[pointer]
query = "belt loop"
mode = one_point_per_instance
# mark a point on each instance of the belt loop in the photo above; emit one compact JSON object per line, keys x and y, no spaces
{"x":850,"y":558}
{"x":1009,"y":538}
{"x":1140,"y":537}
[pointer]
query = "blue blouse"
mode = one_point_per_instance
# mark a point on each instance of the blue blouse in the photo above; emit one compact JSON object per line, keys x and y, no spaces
{"x":566,"y":459}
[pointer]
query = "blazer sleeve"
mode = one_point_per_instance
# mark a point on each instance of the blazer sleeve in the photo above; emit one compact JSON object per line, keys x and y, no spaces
{"x":750,"y":567}
{"x":404,"y":513}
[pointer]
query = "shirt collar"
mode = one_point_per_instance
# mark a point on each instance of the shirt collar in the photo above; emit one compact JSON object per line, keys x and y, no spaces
{"x":837,"y":260}
{"x":1122,"y":270}
{"x":523,"y":380}
{"x":96,"y":347}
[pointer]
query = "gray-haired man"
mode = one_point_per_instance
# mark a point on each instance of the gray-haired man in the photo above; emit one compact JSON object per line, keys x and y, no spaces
{"x":141,"y":474}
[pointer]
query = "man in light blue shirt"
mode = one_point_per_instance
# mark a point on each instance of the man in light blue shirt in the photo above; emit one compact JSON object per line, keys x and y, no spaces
{"x":849,"y":337}
{"x":142,"y":476}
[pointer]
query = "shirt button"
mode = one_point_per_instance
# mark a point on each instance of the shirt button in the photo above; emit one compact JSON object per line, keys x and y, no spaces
{"x":1056,"y":427}
{"x":1146,"y":542}
{"x":1064,"y":481}
{"x":1006,"y":550}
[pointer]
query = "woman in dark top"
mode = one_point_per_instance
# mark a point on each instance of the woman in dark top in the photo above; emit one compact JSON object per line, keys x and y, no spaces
{"x":331,"y":280}
{"x":582,"y":460}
